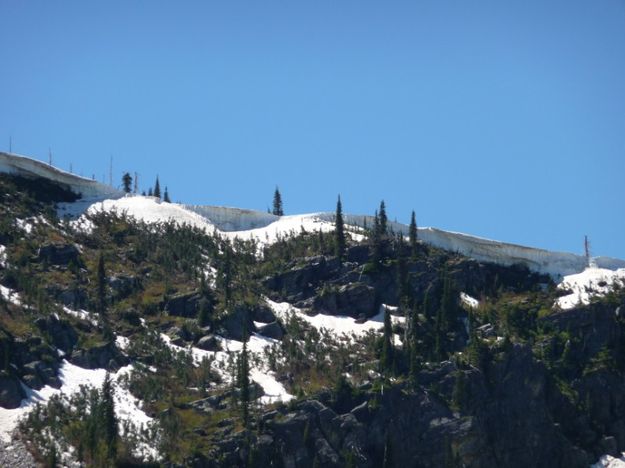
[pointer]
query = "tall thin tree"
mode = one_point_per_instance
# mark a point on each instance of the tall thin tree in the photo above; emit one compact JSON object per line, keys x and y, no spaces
{"x":157,"y":188}
{"x":339,"y":232}
{"x":127,"y":182}
{"x":383,"y":219}
{"x":278,"y":210}
{"x":412,"y":234}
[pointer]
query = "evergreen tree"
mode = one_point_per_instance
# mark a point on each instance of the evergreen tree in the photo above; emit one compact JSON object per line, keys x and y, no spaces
{"x":277,"y":203}
{"x":150,"y":193}
{"x":205,"y":304}
{"x":244,"y":382}
{"x":166,"y":196}
{"x":109,"y":420}
{"x":127,"y":182}
{"x":101,"y":285}
{"x":383,"y":219}
{"x":412,"y":234}
{"x":386,"y":360}
{"x":339,"y":232}
{"x":225,"y":274}
{"x":157,"y":188}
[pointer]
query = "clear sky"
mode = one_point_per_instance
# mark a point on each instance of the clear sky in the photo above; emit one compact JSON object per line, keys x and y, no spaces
{"x":500,"y":119}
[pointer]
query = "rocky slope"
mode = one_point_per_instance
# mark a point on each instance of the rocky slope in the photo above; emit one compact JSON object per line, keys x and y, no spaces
{"x":452,"y":351}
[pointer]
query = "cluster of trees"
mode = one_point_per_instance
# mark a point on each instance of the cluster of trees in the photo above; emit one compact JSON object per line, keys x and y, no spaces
{"x":86,"y":420}
{"x":152,"y":192}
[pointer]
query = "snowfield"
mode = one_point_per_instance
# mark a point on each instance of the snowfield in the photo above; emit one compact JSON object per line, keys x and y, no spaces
{"x":266,"y":228}
{"x":259,"y":372}
{"x":28,"y":167}
{"x":591,"y":282}
{"x":127,"y":407}
{"x":337,"y":325}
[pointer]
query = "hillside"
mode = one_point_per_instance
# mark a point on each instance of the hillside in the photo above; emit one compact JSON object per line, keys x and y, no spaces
{"x":213,"y":336}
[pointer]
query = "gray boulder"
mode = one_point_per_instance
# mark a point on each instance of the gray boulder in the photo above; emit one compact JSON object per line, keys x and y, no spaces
{"x":11,"y":392}
{"x":272,"y":330}
{"x":209,"y":343}
{"x":60,"y":255}
{"x":183,"y":305}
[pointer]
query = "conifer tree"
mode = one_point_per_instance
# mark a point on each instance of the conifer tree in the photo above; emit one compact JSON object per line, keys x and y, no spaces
{"x":166,"y":196}
{"x":412,"y":234}
{"x":157,"y":188}
{"x":109,"y":420}
{"x":101,"y":285}
{"x":339,"y":232}
{"x":244,"y":382}
{"x":277,"y":203}
{"x":383,"y":219}
{"x":150,"y":192}
{"x":127,"y":182}
{"x":386,"y":359}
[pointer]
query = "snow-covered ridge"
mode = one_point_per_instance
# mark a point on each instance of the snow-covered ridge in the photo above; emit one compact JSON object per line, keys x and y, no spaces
{"x":266,"y":228}
{"x":27,"y":167}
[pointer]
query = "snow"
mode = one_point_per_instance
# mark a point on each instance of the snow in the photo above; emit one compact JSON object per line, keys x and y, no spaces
{"x":82,"y":315}
{"x":593,"y":281}
{"x":24,"y":225}
{"x":469,"y":301}
{"x":286,"y":225}
{"x":267,"y":228}
{"x":152,"y":210}
{"x":337,"y":325}
{"x":28,"y":167}
{"x":127,"y":407}
{"x":608,"y":461}
{"x":10,"y":295}
{"x":122,"y":342}
{"x":3,"y":256}
{"x":259,"y":372}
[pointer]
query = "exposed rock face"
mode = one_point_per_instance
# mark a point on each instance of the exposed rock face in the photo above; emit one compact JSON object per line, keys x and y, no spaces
{"x":209,"y":343}
{"x":183,"y":305}
{"x":272,"y":330}
{"x":506,"y":418}
{"x":123,"y":286}
{"x":263,"y":314}
{"x":355,"y":300}
{"x":237,"y":323}
{"x":61,"y":333}
{"x":11,"y":392}
{"x":301,"y":281}
{"x":105,"y":356}
{"x":60,"y":255}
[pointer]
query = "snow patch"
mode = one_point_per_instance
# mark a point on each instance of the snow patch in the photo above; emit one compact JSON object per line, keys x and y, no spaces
{"x":127,"y":407}
{"x":72,"y":377}
{"x":593,"y":281}
{"x":3,"y":256}
{"x":608,"y":461}
{"x":82,"y":315}
{"x":337,"y":325}
{"x":469,"y":301}
{"x":259,"y":372}
{"x":10,"y":296}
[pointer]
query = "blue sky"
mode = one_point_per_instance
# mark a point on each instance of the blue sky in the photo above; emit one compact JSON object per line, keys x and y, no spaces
{"x":499,"y":119}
